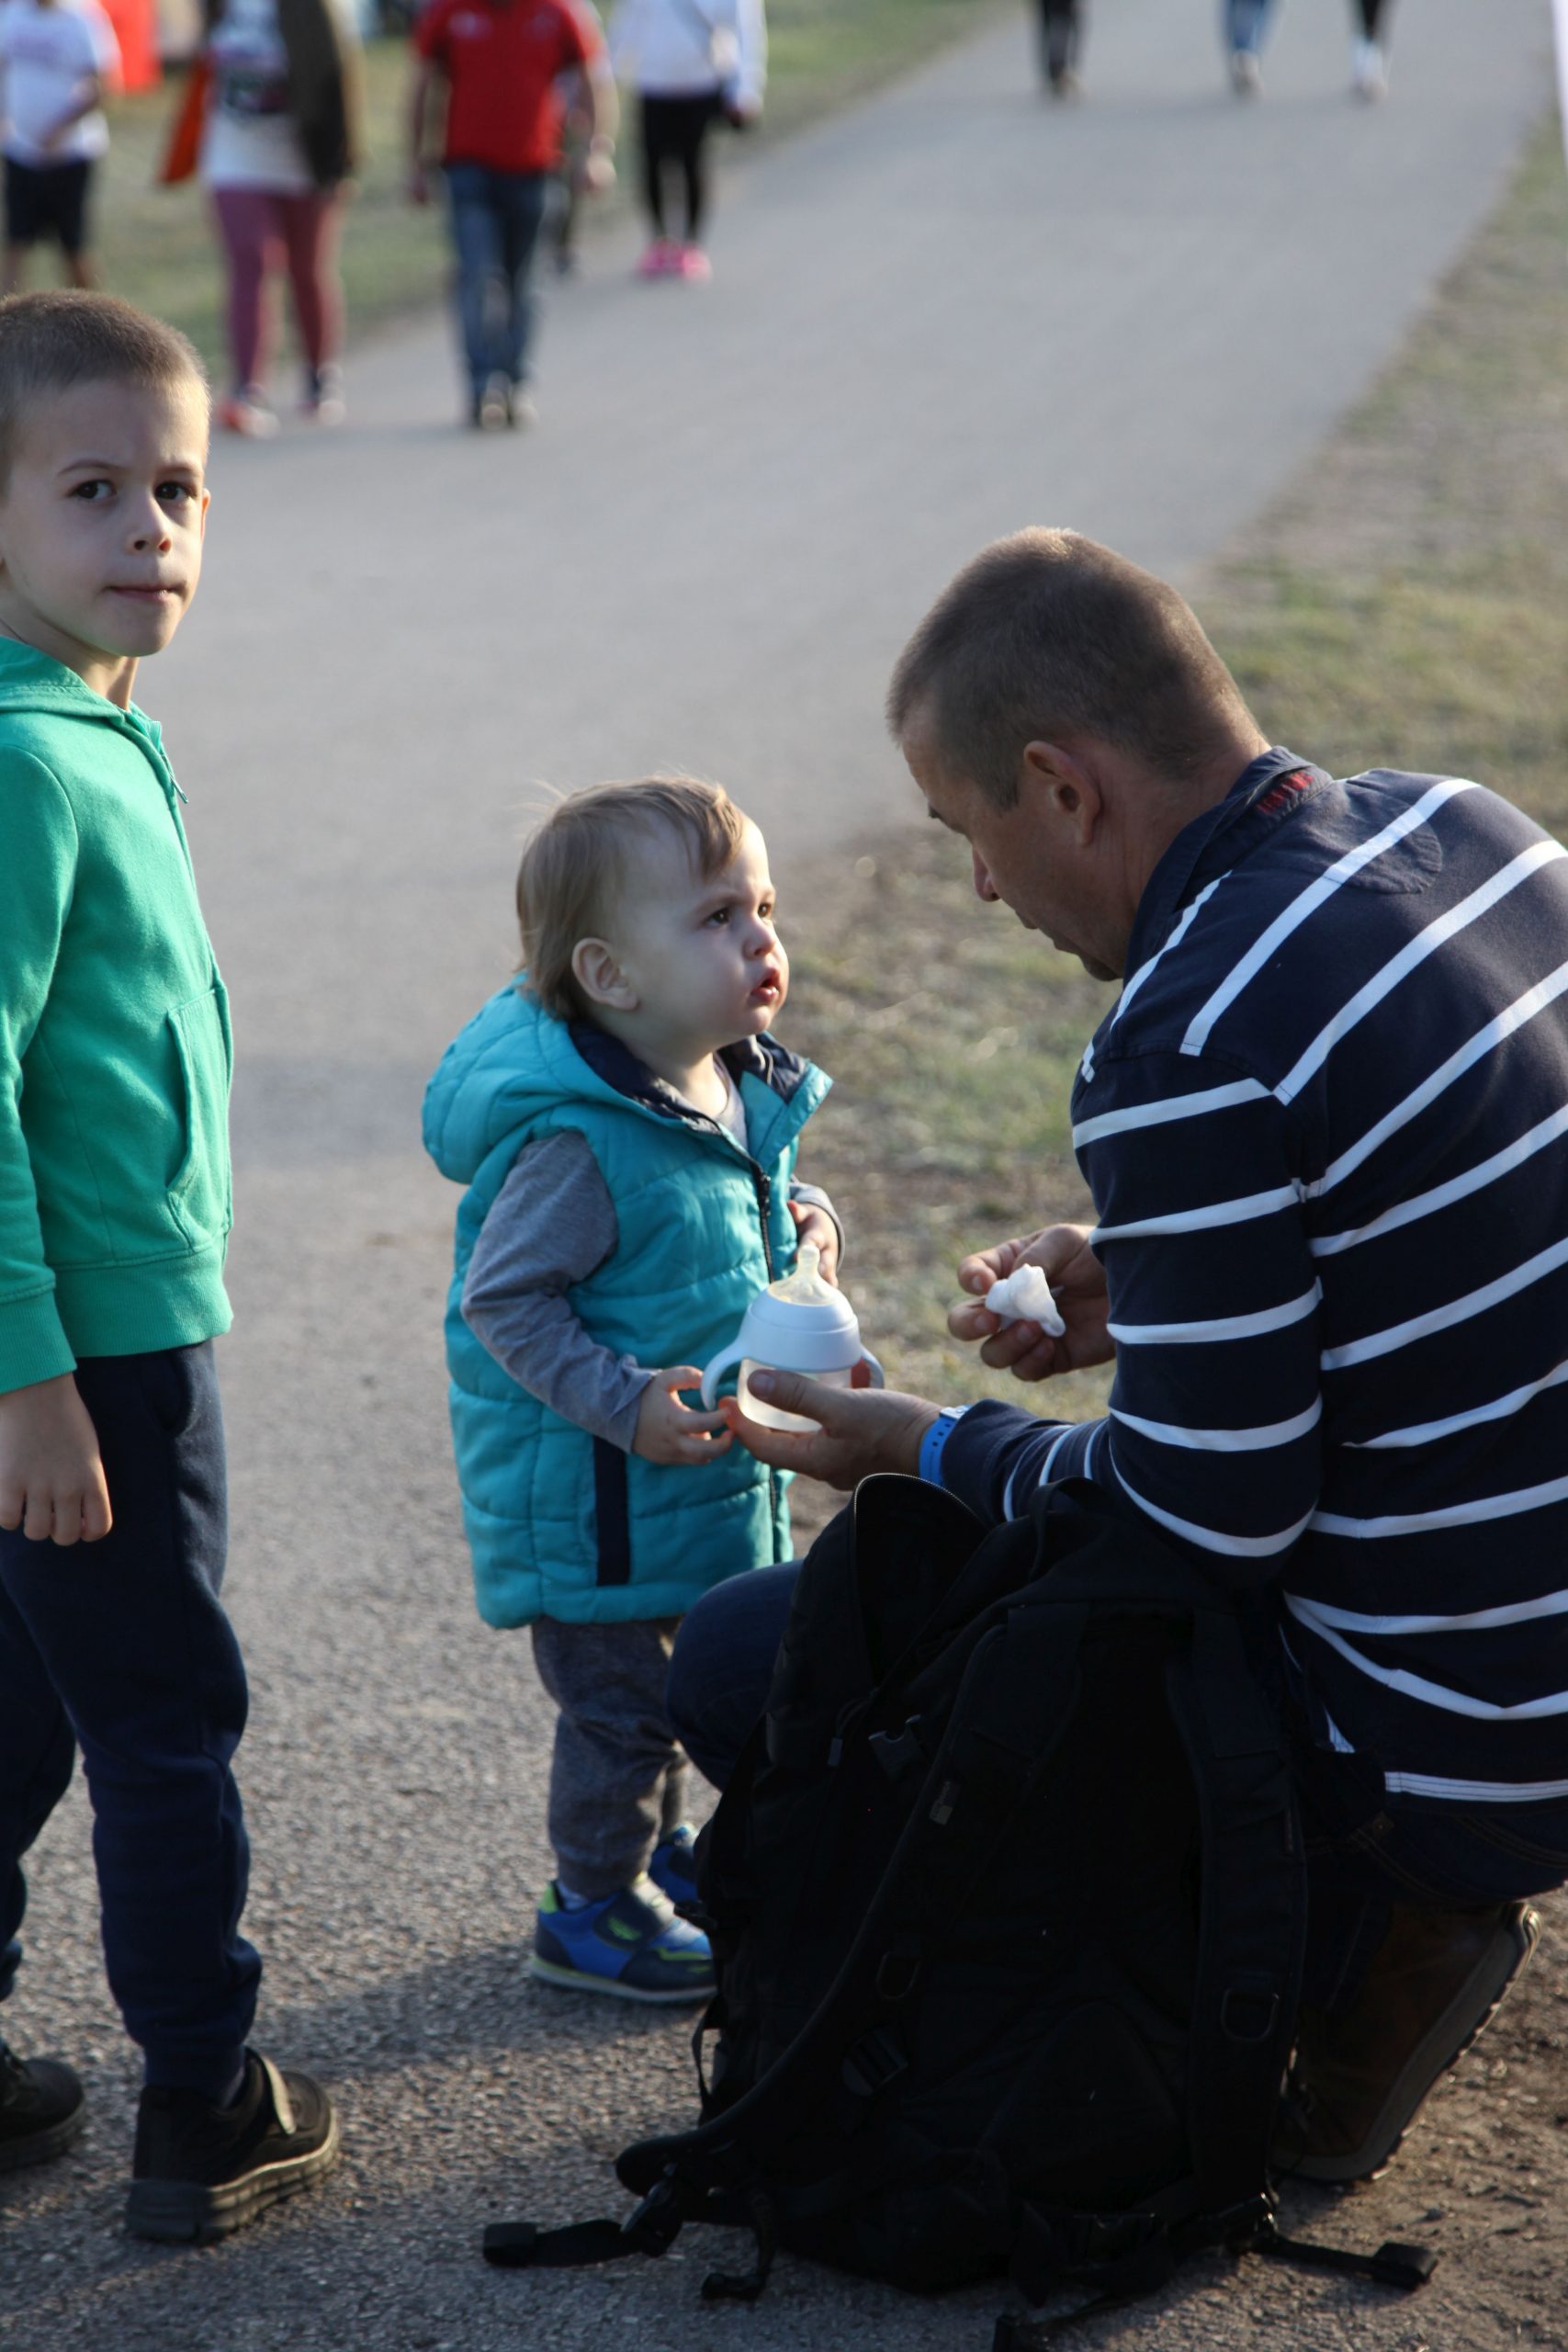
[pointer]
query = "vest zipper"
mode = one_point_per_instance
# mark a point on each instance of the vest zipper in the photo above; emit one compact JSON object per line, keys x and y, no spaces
{"x":764,"y":1192}
{"x":762,"y":1185}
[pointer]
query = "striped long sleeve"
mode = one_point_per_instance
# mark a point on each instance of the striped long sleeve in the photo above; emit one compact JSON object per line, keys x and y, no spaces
{"x":1326,"y":1129}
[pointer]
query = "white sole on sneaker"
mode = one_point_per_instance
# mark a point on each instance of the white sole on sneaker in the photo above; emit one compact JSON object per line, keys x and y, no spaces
{"x":184,"y":2212}
{"x":578,"y":1980}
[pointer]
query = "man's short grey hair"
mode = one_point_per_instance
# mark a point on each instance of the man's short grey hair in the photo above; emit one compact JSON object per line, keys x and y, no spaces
{"x":1048,"y":637}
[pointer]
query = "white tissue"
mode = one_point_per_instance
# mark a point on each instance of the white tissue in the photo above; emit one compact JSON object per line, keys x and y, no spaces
{"x":1025,"y":1297}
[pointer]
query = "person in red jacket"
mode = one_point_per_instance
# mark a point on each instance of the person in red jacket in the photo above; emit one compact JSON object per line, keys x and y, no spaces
{"x":502,"y":61}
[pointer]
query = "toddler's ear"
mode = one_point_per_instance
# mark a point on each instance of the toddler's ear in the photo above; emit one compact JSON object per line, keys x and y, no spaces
{"x":598,"y":973}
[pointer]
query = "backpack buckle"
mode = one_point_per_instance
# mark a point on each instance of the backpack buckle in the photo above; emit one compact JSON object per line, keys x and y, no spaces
{"x":898,"y":1752}
{"x":878,"y":2059}
{"x":1239,"y":2227}
{"x":1249,"y":2010}
{"x":899,"y":1971}
{"x":654,"y":2227}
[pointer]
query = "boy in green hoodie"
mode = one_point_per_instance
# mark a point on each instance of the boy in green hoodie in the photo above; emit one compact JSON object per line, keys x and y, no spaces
{"x":114,"y":1217}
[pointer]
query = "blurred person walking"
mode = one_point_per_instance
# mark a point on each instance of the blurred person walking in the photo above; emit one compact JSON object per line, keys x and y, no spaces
{"x":57,"y":60}
{"x":1369,"y":53}
{"x":503,"y":63}
{"x":1245,"y":27}
{"x":1061,"y":43}
{"x":576,"y":149}
{"x":282,"y":137}
{"x":694,"y":62}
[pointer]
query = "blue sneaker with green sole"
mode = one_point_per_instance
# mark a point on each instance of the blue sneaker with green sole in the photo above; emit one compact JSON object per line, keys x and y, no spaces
{"x":629,"y":1943}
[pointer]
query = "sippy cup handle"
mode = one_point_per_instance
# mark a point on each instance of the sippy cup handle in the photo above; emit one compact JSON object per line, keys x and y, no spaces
{"x":878,"y":1377}
{"x":722,"y":1363}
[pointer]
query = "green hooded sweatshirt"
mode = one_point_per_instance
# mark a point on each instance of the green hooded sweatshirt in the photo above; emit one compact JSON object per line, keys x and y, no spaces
{"x":114,"y":1040}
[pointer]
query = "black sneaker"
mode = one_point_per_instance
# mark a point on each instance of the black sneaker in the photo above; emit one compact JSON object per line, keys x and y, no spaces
{"x":42,"y":2109}
{"x":201,"y":2171}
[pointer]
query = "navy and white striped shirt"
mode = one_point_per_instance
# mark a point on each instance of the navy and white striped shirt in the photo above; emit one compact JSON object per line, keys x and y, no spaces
{"x":1326,"y":1129}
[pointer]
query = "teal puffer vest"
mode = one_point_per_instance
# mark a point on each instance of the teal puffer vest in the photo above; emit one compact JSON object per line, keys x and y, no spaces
{"x":561,"y":1524}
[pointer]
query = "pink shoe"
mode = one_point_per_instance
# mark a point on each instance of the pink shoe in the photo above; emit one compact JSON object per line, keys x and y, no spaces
{"x":663,"y":259}
{"x":692,"y":263}
{"x":246,"y":411}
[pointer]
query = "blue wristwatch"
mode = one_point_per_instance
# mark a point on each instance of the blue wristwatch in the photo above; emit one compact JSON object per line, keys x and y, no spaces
{"x":932,"y":1445}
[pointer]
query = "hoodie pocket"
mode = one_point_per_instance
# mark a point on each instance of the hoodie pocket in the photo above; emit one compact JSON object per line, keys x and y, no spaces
{"x":200,"y":1195}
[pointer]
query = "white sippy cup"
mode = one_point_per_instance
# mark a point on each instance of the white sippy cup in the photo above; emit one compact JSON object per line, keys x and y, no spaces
{"x":801,"y":1324}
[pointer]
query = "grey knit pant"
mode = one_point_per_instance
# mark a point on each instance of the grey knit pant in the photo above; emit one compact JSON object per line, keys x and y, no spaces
{"x":618,"y":1780}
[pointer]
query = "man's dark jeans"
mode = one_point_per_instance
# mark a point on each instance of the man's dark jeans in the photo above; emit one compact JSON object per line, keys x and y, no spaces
{"x":1365,"y":1853}
{"x":122,"y":1648}
{"x":496,"y":219}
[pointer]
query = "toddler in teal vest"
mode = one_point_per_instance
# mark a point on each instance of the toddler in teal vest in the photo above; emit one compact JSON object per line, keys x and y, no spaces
{"x":626,"y":1128}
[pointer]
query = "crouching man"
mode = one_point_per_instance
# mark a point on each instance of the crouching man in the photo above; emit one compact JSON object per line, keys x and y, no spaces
{"x":1326,"y":1129}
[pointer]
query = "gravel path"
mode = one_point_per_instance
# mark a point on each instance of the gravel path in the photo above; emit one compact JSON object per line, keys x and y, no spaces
{"x":932,"y":320}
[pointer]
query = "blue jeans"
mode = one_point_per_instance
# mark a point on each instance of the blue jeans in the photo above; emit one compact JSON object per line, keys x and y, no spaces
{"x":496,"y":218}
{"x":1245,"y":22}
{"x":121,"y":1648}
{"x":1365,"y":1853}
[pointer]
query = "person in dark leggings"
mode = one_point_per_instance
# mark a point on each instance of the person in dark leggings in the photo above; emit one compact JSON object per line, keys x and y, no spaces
{"x":675,"y":136}
{"x":1369,"y":67}
{"x":692,"y":63}
{"x":1061,"y":41}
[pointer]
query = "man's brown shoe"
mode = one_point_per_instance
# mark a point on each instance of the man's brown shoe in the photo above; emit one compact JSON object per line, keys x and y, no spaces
{"x":1359,"y":2079}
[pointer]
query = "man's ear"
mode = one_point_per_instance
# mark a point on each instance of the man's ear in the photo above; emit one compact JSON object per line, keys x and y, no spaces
{"x":1065,"y":787}
{"x":598,"y":976}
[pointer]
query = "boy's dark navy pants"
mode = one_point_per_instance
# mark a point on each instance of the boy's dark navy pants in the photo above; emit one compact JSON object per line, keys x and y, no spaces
{"x":120,"y":1648}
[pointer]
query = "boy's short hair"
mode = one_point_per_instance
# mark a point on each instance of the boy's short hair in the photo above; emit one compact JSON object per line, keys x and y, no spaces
{"x":576,"y":863}
{"x":1049,"y":636}
{"x":50,"y":342}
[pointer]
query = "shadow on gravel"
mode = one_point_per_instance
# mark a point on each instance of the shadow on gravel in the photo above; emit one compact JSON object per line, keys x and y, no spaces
{"x":450,"y":2009}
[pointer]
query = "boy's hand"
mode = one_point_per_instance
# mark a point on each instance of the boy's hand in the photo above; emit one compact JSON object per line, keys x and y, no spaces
{"x":814,"y":1225}
{"x":1077,"y":1284}
{"x":668,"y":1430}
{"x":51,"y":1473}
{"x":416,"y":185}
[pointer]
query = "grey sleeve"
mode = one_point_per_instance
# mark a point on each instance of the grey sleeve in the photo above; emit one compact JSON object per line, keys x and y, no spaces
{"x":812,"y":1196}
{"x":551,"y":1224}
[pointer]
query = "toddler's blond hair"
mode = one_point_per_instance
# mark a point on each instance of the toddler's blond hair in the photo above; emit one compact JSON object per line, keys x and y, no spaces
{"x":578,"y":862}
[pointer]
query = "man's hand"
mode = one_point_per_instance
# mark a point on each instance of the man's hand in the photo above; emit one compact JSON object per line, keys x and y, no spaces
{"x":814,"y":1225}
{"x":416,"y":186}
{"x":1077,"y":1284}
{"x":862,"y":1430}
{"x":51,"y":1473}
{"x":668,"y":1430}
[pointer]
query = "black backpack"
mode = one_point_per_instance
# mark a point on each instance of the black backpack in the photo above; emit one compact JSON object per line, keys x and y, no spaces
{"x":1006,"y":1904}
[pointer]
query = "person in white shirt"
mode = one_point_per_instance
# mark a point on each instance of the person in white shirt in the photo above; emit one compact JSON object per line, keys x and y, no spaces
{"x":693,"y":63}
{"x":282,"y":137}
{"x":57,"y":59}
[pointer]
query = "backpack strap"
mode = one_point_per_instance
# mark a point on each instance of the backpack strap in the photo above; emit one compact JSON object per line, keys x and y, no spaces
{"x":652,"y":2230}
{"x":1252,"y":1920}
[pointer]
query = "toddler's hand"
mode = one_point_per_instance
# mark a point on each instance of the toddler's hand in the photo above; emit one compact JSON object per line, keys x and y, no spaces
{"x":668,"y":1430}
{"x":51,"y":1473}
{"x":814,"y":1225}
